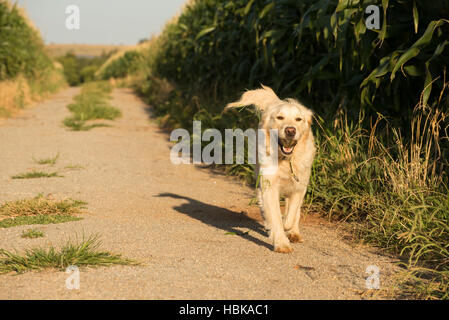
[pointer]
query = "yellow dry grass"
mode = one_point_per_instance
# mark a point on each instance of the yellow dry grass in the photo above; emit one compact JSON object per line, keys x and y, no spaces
{"x":14,"y":94}
{"x":56,"y":50}
{"x":17,"y":93}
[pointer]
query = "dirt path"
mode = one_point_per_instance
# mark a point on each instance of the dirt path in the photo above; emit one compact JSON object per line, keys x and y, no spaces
{"x":174,"y":218}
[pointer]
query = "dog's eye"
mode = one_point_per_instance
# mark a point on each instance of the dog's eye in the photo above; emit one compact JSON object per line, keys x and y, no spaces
{"x":280,"y":117}
{"x":298,"y":119}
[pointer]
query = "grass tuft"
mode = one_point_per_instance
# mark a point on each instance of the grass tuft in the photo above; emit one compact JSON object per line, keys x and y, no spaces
{"x":83,"y":254}
{"x":74,"y":167}
{"x":32,"y":234}
{"x":39,"y":210}
{"x":36,"y":174}
{"x":80,"y":125}
{"x":38,"y":219}
{"x":91,"y":104}
{"x":45,"y":161}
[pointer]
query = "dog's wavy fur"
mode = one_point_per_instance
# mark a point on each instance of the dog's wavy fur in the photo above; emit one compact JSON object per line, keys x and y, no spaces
{"x":291,"y":177}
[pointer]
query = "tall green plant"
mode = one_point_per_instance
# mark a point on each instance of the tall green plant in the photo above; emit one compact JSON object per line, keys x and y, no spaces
{"x":125,"y":65}
{"x":21,"y":48}
{"x":319,"y":51}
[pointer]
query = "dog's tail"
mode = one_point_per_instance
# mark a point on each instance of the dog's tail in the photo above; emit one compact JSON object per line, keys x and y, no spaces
{"x":260,"y":98}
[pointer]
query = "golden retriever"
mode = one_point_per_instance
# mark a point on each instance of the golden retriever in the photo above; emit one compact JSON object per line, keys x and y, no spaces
{"x":296,"y":151}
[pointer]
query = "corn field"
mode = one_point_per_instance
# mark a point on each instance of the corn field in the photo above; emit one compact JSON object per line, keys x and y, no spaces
{"x":26,"y":71}
{"x":21,"y":47}
{"x":318,"y":51}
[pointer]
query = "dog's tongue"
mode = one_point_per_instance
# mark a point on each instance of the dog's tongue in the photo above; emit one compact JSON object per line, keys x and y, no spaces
{"x":287,"y":150}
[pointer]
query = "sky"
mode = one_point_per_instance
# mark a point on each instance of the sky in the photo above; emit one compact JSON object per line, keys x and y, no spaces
{"x":101,"y":21}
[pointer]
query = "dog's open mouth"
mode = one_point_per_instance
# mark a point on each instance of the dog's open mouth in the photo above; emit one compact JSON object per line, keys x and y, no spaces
{"x":287,"y":146}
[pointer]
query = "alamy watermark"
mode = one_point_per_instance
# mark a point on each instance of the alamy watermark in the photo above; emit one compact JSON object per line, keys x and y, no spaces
{"x":373,"y":20}
{"x":188,"y":149}
{"x":73,"y":281}
{"x":373,"y":280}
{"x":72,"y":21}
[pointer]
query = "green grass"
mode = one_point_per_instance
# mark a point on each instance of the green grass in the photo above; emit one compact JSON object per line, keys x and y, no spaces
{"x":37,"y":219}
{"x":32,"y":234}
{"x":36,"y":175}
{"x":394,"y":193}
{"x":4,"y":113}
{"x":127,"y":64}
{"x":85,"y":253}
{"x":91,"y":104}
{"x":39,"y":210}
{"x":80,"y":125}
{"x":74,"y":167}
{"x":24,"y":61}
{"x":22,"y":50}
{"x":78,"y":70}
{"x":47,"y":161}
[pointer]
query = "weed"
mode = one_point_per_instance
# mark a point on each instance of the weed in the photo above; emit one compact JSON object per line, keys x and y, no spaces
{"x":32,"y":234}
{"x":91,"y":104}
{"x":49,"y":161}
{"x":36,"y":174}
{"x":82,"y":254}
{"x":39,"y":210}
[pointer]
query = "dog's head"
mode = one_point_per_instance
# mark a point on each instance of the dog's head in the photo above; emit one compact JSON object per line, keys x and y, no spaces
{"x":292,"y":122}
{"x":289,"y":117}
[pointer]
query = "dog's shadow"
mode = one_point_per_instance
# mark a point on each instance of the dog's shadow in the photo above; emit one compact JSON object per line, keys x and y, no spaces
{"x":220,"y":218}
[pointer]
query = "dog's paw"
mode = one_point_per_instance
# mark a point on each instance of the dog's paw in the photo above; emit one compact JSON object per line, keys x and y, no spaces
{"x":295,"y":238}
{"x":283,"y":249}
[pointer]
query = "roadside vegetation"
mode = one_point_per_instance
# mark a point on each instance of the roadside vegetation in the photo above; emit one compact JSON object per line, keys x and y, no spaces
{"x":47,"y":161}
{"x":120,"y":67}
{"x":39,"y":210}
{"x":91,"y":104}
{"x":84,"y":50}
{"x":381,"y":99}
{"x":125,"y":64}
{"x":84,"y":253}
{"x":26,"y":72}
{"x":81,"y":69}
{"x":32,"y":234}
{"x":36,"y":175}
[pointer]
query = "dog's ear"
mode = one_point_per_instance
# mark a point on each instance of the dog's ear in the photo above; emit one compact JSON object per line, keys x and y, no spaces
{"x":309,"y":117}
{"x":262,"y":99}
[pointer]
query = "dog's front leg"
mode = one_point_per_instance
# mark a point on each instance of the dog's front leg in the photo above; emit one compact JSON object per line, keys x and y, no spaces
{"x":291,"y":222}
{"x":273,"y":216}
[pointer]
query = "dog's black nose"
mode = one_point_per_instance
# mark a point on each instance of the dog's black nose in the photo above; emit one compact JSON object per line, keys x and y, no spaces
{"x":290,"y":131}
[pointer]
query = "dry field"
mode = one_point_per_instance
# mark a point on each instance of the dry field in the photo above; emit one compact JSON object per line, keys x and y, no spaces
{"x":56,"y":50}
